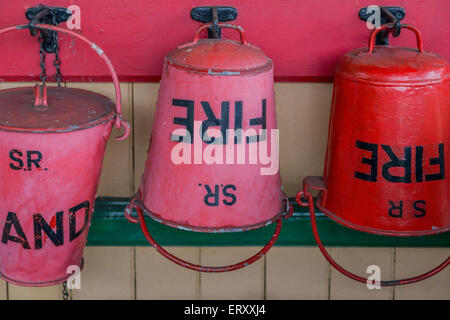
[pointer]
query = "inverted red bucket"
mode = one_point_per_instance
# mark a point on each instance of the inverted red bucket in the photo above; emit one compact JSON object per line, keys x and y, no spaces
{"x":52,"y":143}
{"x":387,"y":150}
{"x":385,"y":169}
{"x":215,"y":119}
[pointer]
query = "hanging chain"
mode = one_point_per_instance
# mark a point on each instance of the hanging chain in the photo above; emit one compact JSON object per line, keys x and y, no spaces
{"x":56,"y":62}
{"x":65,"y":291}
{"x":42,"y":54}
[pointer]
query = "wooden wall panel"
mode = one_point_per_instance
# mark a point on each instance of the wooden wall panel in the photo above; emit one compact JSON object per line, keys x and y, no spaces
{"x":144,"y":106}
{"x":287,"y":273}
{"x":357,"y":260}
{"x":245,"y":283}
{"x":35,"y":293}
{"x":7,"y":85}
{"x":413,"y":261}
{"x":3,"y":290}
{"x":296,"y":273}
{"x":108,"y":274}
{"x":302,"y":116}
{"x":159,"y":278}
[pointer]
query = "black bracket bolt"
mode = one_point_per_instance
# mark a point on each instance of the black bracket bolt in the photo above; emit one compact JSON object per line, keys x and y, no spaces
{"x":214,"y":14}
{"x":47,"y":15}
{"x":391,"y":15}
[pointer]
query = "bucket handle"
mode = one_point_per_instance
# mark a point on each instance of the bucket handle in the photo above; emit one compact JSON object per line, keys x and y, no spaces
{"x":221,"y":25}
{"x":119,"y":121}
{"x":195,"y":267}
{"x":372,"y":38}
{"x":305,"y":199}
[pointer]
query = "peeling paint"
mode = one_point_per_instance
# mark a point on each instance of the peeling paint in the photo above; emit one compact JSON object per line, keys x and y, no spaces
{"x":97,"y":49}
{"x":224,"y":73}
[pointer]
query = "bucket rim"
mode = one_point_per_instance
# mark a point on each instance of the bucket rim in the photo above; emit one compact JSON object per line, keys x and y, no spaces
{"x":184,"y":227}
{"x":40,"y":284}
{"x":108,"y":116}
{"x":357,"y":227}
{"x":59,"y":130}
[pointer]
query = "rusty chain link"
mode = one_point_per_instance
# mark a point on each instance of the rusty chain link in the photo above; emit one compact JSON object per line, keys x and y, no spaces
{"x":65,"y":292}
{"x":57,"y":64}
{"x":42,"y":54}
{"x":42,"y":63}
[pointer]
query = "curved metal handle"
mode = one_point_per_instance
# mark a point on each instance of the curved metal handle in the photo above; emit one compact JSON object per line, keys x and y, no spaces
{"x":119,"y":122}
{"x":195,"y":267}
{"x":373,"y":36}
{"x":312,"y":211}
{"x":221,"y":25}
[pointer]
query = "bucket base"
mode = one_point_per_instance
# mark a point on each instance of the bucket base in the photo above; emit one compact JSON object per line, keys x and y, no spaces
{"x":39,"y":284}
{"x":206,"y":229}
{"x":394,"y":233}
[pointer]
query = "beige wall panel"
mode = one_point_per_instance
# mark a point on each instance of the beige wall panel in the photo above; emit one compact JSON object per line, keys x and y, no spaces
{"x":108,"y":274}
{"x":245,"y":283}
{"x":117,"y":173}
{"x":296,"y":273}
{"x":357,"y":260}
{"x":35,"y":293}
{"x":144,"y":101}
{"x":410,"y":262}
{"x":302,"y":115}
{"x":160,"y":278}
{"x":7,"y":85}
{"x":3,"y":290}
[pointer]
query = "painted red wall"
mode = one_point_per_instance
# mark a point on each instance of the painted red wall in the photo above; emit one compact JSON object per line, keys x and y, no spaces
{"x":305,"y":38}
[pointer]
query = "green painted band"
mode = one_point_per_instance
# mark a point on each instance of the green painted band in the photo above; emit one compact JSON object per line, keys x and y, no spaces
{"x":110,"y":228}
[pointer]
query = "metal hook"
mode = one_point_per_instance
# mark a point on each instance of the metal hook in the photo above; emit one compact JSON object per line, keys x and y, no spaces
{"x":214,"y":14}
{"x":47,"y":15}
{"x":388,"y":15}
{"x":390,"y":18}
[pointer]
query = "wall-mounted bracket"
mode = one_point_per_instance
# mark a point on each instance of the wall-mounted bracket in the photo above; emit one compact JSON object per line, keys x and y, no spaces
{"x":47,"y":15}
{"x":214,"y":14}
{"x":387,"y":15}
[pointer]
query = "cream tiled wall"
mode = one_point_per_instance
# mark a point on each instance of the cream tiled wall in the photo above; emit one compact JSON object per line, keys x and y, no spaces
{"x":285,"y":273}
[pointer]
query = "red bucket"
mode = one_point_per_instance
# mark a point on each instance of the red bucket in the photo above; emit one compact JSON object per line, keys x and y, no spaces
{"x":52,"y":151}
{"x":211,"y":182}
{"x":387,"y":146}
